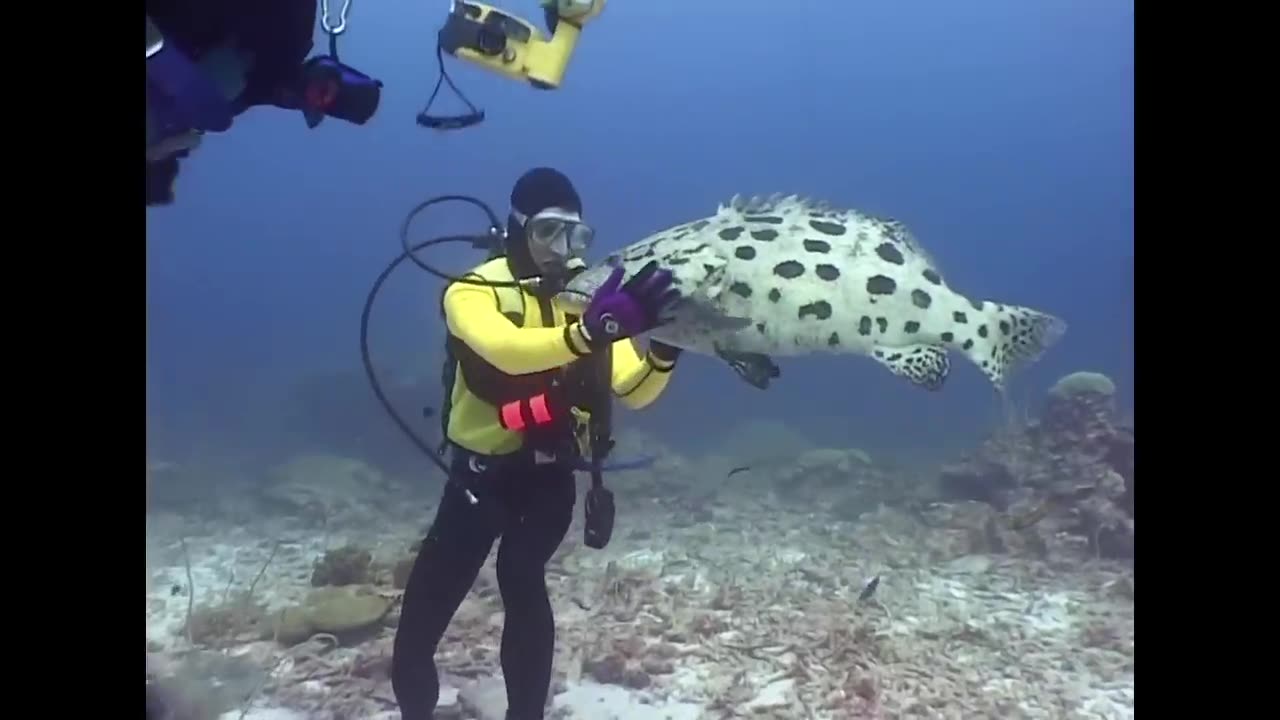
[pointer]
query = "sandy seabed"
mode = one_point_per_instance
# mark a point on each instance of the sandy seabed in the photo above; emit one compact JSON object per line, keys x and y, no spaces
{"x":752,"y":611}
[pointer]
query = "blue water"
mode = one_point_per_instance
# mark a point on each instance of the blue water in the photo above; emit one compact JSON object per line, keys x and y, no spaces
{"x":1000,"y":131}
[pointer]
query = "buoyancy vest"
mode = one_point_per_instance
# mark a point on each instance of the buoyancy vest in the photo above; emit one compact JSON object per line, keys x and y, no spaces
{"x":478,"y":393}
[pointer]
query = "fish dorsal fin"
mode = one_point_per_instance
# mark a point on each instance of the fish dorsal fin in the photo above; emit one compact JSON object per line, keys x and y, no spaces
{"x":776,"y":203}
{"x":790,"y":205}
{"x":907,"y":238}
{"x":741,"y":206}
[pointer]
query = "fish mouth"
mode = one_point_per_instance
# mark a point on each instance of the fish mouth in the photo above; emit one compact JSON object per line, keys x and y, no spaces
{"x":574,"y":299}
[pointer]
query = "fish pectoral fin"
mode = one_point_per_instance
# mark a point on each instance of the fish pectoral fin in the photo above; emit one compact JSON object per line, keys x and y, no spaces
{"x":757,"y":369}
{"x":706,"y":317}
{"x":925,"y":366}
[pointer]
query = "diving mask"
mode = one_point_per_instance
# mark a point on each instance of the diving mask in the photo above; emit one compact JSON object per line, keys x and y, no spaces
{"x":555,"y":236}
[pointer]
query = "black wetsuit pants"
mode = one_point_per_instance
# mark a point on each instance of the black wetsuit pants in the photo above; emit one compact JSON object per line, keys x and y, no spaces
{"x":530,"y":507}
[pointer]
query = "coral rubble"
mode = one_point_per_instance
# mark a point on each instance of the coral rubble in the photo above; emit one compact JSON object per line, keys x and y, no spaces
{"x":1003,"y":590}
{"x":1066,"y":474}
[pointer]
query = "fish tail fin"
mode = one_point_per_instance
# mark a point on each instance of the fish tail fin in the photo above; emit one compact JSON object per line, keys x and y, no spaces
{"x":1011,"y":337}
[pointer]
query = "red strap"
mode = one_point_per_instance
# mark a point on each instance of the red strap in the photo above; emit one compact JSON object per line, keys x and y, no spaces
{"x":511,"y":418}
{"x":321,"y":93}
{"x":541,"y":413}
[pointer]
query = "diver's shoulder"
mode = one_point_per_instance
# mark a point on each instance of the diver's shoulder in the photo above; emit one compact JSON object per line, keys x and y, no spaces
{"x":492,"y":270}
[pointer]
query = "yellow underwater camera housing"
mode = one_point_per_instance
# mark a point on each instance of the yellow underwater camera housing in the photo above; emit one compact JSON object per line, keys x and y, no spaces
{"x":503,"y":43}
{"x":500,"y":42}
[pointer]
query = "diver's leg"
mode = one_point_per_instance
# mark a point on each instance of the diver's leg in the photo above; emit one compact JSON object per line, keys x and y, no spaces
{"x":537,"y":525}
{"x":451,"y":556}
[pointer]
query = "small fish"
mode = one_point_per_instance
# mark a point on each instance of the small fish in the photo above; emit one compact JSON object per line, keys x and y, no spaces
{"x":869,"y":589}
{"x":735,"y":471}
{"x":785,"y":275}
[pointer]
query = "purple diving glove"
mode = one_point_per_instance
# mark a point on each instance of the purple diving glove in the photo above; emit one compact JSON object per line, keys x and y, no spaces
{"x":636,"y":307}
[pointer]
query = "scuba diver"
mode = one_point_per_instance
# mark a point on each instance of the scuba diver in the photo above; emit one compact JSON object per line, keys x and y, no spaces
{"x":529,"y":383}
{"x":209,"y":62}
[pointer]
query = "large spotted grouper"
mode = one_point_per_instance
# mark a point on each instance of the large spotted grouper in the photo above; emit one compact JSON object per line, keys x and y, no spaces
{"x":784,"y":275}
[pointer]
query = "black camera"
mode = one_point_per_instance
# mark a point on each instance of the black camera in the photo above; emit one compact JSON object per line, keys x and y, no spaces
{"x":332,"y":89}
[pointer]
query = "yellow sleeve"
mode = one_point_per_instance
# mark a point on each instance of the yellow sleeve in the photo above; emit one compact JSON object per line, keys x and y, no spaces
{"x":638,"y":381}
{"x":471,"y":312}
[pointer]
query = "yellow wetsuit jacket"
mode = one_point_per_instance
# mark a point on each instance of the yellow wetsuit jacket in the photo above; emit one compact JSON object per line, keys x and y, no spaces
{"x":506,"y":327}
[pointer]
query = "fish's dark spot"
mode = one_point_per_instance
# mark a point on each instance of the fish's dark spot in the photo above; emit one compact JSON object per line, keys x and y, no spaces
{"x":889,"y":253}
{"x":921,"y":299}
{"x":932,"y":276}
{"x":745,"y":252}
{"x":881,"y":285}
{"x":708,"y":269}
{"x":699,"y":225}
{"x":770,"y":219}
{"x":730,"y":233}
{"x":911,"y":326}
{"x":740,"y":288}
{"x":820,"y":310}
{"x":760,"y":328}
{"x":959,"y":317}
{"x":948,"y":336}
{"x":977,"y":304}
{"x":678,"y":261}
{"x":968,"y":344}
{"x":828,"y":228}
{"x":818,"y":246}
{"x":833,"y":339}
{"x":789,"y":269}
{"x":864,"y":326}
{"x":765,"y":235}
{"x":1004,"y":327}
{"x":700,"y":248}
{"x":883,"y":324}
{"x":982,"y":331}
{"x":895,"y":357}
{"x":827,"y":272}
{"x":775,"y":295}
